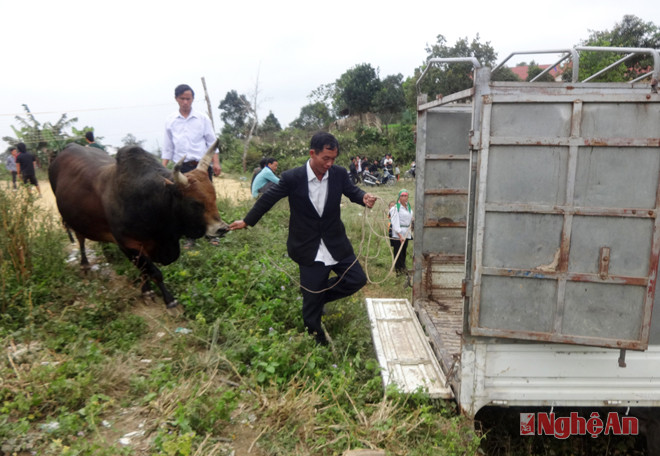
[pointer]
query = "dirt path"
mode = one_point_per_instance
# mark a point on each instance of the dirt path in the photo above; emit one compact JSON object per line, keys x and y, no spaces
{"x":225,"y":187}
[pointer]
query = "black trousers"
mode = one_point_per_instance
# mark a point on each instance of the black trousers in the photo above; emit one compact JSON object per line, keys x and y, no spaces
{"x":190,"y":165}
{"x":315,"y":278}
{"x":400,"y":264}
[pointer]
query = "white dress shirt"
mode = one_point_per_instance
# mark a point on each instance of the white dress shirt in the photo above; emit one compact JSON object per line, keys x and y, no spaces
{"x":190,"y":136}
{"x":318,"y":194}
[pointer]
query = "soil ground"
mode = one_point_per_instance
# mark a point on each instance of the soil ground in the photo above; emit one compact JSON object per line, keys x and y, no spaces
{"x":225,"y":187}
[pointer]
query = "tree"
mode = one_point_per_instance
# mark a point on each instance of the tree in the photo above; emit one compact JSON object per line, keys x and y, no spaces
{"x":504,"y":74}
{"x":235,"y":114}
{"x":390,"y":100}
{"x":356,"y":90}
{"x":630,"y":32}
{"x":324,"y":93}
{"x":314,"y":116}
{"x":448,"y":78}
{"x":534,"y":70}
{"x":270,"y":125}
{"x":131,"y":140}
{"x":44,"y":139}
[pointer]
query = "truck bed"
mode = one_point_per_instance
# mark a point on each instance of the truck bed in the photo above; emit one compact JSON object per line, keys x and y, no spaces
{"x":441,"y":314}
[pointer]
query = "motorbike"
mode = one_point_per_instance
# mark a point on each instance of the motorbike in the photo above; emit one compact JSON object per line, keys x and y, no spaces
{"x":375,"y":179}
{"x":411,"y":171}
{"x":387,"y":178}
{"x":370,"y":179}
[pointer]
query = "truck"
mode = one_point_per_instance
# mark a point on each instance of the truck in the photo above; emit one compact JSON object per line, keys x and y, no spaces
{"x":537,"y":238}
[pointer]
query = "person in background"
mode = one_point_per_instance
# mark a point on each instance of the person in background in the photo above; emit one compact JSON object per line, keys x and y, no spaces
{"x":388,"y":162}
{"x":352,"y":168}
{"x":188,"y":133}
{"x":89,"y":136}
{"x":257,"y":170}
{"x":10,"y":164}
{"x":266,"y":178}
{"x":364,"y":165}
{"x":401,"y":216}
{"x":317,"y":238}
{"x":25,"y":166}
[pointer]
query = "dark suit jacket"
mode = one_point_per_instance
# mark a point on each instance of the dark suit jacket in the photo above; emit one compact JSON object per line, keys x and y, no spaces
{"x":306,"y":227}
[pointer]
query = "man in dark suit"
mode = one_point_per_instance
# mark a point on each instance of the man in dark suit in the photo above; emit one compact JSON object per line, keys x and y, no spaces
{"x":317,"y":238}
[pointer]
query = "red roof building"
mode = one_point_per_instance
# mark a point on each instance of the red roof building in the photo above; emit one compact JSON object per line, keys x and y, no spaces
{"x":522,"y":71}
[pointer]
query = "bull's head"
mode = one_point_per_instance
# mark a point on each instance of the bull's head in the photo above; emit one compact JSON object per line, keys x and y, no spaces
{"x":196,"y":184}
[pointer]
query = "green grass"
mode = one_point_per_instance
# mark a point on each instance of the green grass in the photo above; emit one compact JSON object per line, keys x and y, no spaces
{"x":96,"y":363}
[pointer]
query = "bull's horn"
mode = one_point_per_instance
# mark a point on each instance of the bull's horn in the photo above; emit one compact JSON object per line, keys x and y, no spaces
{"x":179,"y":177}
{"x":206,"y":159}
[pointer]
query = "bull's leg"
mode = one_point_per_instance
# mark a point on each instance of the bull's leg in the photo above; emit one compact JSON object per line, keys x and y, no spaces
{"x":84,"y":263}
{"x":150,"y":271}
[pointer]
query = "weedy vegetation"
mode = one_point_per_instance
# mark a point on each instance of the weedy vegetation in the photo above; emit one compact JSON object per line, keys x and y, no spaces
{"x":88,"y":367}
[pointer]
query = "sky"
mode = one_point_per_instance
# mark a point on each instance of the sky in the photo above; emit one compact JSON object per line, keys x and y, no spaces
{"x":114,"y":64}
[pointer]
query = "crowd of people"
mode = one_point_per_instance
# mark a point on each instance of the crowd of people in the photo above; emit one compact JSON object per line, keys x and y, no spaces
{"x":22,"y":163}
{"x":381,"y":169}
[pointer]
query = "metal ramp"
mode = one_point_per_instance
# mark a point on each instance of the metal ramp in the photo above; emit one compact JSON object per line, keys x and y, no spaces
{"x":403,"y":350}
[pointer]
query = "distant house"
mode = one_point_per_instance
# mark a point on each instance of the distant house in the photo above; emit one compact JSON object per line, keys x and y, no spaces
{"x":522,"y":71}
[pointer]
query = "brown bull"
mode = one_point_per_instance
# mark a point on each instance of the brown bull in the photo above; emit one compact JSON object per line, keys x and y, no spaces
{"x":136,"y":203}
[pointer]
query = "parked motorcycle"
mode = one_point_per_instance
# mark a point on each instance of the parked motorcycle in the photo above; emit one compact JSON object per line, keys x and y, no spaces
{"x":411,"y":171}
{"x":369,"y":179}
{"x":387,"y":178}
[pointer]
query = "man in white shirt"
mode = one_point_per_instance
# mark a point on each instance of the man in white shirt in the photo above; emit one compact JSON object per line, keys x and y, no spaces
{"x":188,"y":133}
{"x":317,"y":238}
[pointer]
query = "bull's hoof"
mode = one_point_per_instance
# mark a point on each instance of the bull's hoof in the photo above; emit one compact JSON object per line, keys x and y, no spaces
{"x":172,"y":304}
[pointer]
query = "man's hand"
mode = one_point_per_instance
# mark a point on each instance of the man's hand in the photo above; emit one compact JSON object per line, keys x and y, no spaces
{"x":369,"y":200}
{"x":237,"y":225}
{"x":217,"y":167}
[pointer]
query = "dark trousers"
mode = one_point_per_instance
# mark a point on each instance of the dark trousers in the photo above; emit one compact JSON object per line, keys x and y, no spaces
{"x":315,"y":278}
{"x":400,"y":264}
{"x":13,"y":178}
{"x":31,"y":178}
{"x":190,"y":165}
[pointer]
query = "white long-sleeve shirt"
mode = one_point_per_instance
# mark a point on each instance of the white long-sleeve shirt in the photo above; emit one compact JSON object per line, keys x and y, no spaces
{"x":318,"y":194}
{"x":190,"y":136}
{"x":401,"y":220}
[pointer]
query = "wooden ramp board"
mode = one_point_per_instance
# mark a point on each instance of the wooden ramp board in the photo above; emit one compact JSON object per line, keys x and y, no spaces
{"x":403,"y":350}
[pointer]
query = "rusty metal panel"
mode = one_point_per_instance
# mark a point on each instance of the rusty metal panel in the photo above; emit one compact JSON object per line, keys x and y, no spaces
{"x":623,"y":177}
{"x":621,"y":120}
{"x":528,"y":174}
{"x":540,"y":119}
{"x":566,"y":233}
{"x":443,"y":164}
